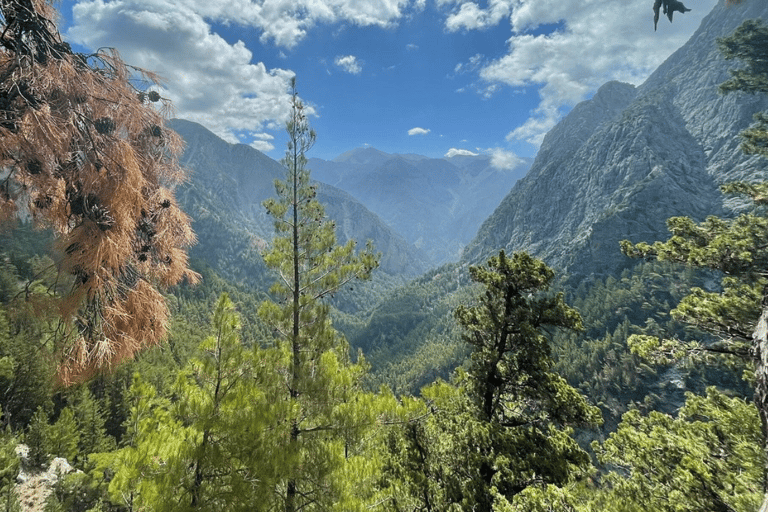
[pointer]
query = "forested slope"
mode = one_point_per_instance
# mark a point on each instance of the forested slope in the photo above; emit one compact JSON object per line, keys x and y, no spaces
{"x":481,"y":382}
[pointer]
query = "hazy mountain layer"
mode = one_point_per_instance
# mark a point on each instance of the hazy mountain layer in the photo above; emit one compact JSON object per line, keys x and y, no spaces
{"x":224,"y":197}
{"x":435,"y":203}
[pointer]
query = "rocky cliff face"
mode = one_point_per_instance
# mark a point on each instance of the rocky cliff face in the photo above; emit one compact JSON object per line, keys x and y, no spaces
{"x":623,"y":162}
{"x":224,"y":197}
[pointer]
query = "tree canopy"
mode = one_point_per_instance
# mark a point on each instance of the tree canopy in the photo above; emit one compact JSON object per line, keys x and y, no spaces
{"x":733,"y":247}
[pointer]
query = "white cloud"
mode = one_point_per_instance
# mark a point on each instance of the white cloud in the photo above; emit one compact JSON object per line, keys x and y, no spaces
{"x":504,"y":160}
{"x":459,"y":152}
{"x":286,"y":22}
{"x":411,"y":47}
{"x":470,"y":15}
{"x":597,"y":41}
{"x":262,"y":145}
{"x":209,"y":80}
{"x":472,"y":64}
{"x":349,"y":63}
{"x":419,"y":131}
{"x":261,"y":141}
{"x":536,"y":127}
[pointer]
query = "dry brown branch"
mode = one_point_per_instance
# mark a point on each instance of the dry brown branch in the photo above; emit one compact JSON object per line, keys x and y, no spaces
{"x":84,"y":150}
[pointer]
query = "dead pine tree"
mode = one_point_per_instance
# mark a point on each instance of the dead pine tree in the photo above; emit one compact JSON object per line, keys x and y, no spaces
{"x":84,"y":152}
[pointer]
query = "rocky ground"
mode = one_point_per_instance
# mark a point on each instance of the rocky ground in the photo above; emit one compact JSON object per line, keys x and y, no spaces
{"x":34,"y":485}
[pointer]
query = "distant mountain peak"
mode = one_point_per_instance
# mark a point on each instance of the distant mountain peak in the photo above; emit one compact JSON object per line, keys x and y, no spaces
{"x":366,"y":155}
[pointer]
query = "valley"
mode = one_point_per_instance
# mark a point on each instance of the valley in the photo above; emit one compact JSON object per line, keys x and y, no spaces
{"x":578,"y":332}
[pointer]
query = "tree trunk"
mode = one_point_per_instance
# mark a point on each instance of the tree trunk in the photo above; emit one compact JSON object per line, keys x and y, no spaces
{"x":290,"y":499}
{"x":760,"y":357}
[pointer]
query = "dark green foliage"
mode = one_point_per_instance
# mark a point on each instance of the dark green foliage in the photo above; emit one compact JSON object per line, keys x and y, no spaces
{"x":19,"y":242}
{"x":411,"y":337}
{"x":9,"y":281}
{"x":25,"y":376}
{"x":707,"y":458}
{"x":748,"y":44}
{"x":90,"y":419}
{"x":63,"y":437}
{"x":36,"y":439}
{"x":599,"y":361}
{"x":525,"y":405}
{"x":511,"y":357}
{"x":507,"y":423}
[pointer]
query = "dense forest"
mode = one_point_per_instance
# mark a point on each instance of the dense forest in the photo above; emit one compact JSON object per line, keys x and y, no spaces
{"x":152,"y":382}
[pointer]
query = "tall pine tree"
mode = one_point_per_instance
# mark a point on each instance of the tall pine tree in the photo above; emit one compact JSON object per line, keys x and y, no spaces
{"x":321,"y":382}
{"x":506,"y":427}
{"x":527,"y":408}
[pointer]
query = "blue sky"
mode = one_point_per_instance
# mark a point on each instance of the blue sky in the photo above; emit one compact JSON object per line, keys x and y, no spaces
{"x":433,"y":77}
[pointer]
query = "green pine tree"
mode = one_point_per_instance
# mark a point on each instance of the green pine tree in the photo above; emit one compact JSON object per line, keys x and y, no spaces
{"x":90,"y":419}
{"x":322,"y":384}
{"x":64,"y":436}
{"x":506,"y":426}
{"x":735,"y":247}
{"x":139,"y":469}
{"x":749,"y":44}
{"x":210,"y":449}
{"x":527,"y":408}
{"x":706,"y":458}
{"x":36,"y":439}
{"x":9,"y":469}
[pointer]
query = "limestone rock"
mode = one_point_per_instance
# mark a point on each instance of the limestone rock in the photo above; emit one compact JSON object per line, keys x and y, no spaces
{"x":618,"y":165}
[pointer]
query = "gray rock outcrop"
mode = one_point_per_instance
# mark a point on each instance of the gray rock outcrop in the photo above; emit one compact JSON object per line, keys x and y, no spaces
{"x":618,"y":165}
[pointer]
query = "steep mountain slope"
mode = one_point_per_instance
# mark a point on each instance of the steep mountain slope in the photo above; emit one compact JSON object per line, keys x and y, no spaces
{"x":623,"y":162}
{"x":436,"y":203}
{"x":224,"y":198}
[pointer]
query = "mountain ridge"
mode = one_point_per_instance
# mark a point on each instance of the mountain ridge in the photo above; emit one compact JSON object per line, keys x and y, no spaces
{"x":224,"y":197}
{"x":437,"y":204}
{"x":618,"y":165}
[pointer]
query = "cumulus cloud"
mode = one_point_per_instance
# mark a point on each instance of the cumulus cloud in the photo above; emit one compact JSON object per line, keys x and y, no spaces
{"x":459,"y":152}
{"x":349,"y":63}
{"x":419,"y":131}
{"x":596,"y":41}
{"x":504,"y":160}
{"x":286,"y":22}
{"x":536,"y":127}
{"x":470,"y":15}
{"x":209,"y":80}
